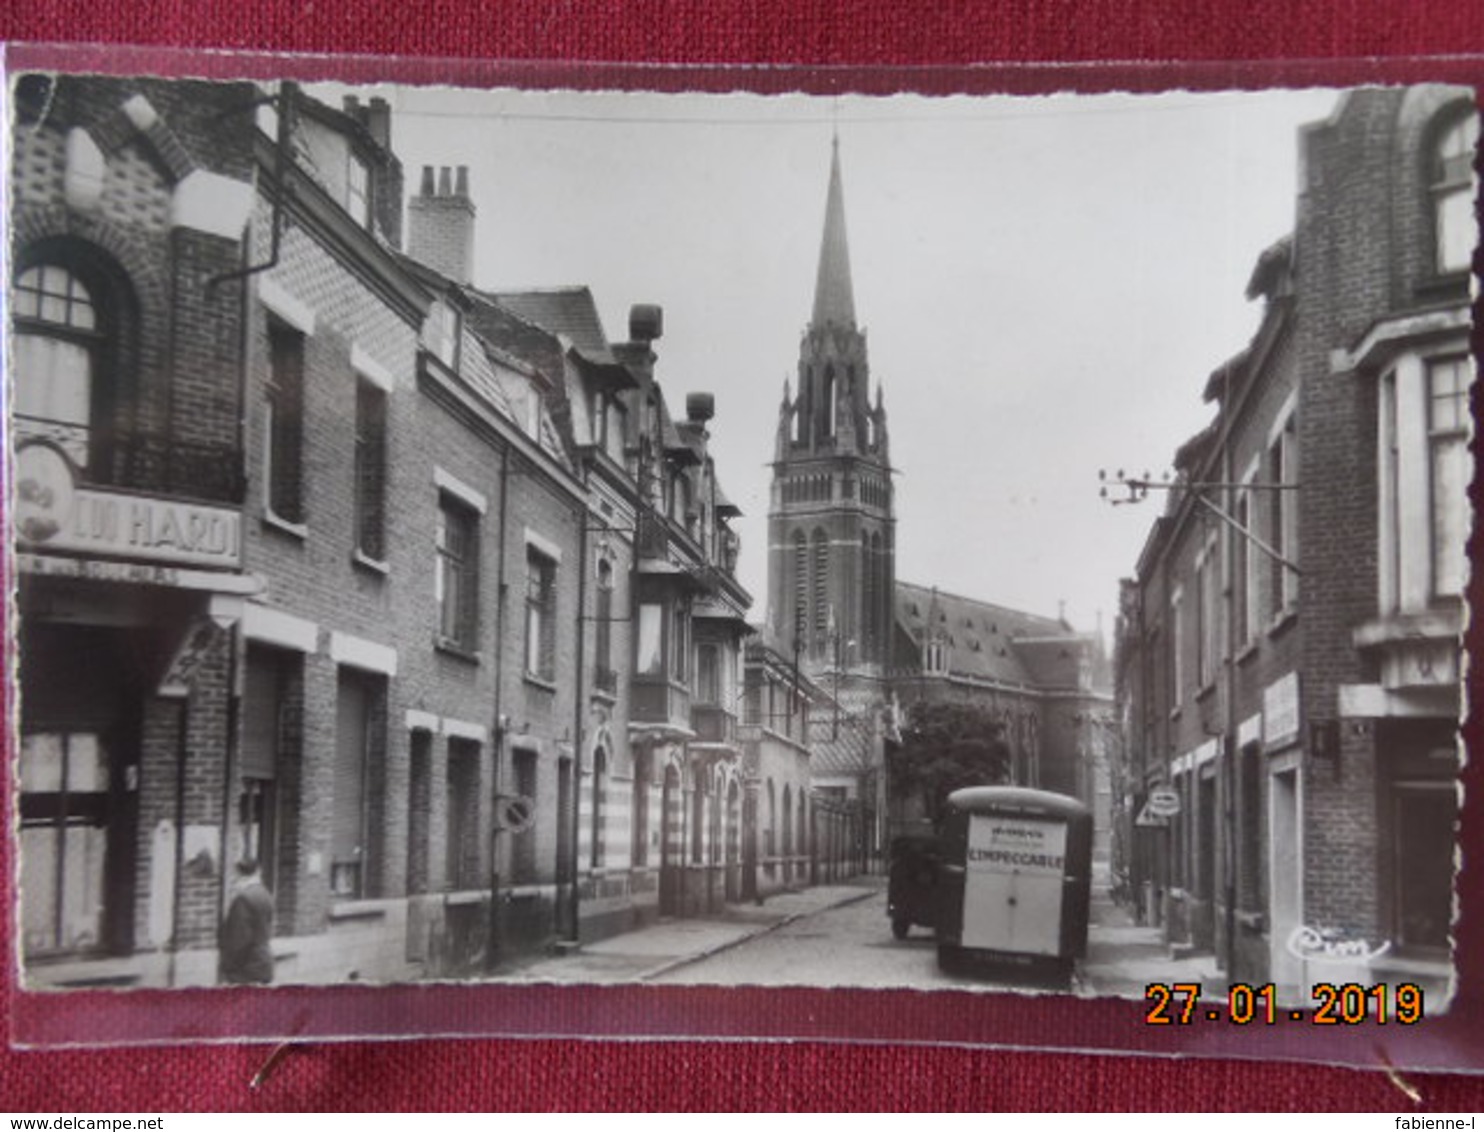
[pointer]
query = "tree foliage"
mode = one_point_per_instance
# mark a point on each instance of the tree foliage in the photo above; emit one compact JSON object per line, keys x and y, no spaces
{"x":944,"y":747}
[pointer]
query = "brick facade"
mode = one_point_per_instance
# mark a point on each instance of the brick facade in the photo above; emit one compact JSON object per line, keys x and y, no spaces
{"x":125,"y":675}
{"x":1328,"y":727}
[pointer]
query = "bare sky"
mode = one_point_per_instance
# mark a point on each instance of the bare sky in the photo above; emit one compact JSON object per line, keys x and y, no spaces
{"x":1045,"y":284}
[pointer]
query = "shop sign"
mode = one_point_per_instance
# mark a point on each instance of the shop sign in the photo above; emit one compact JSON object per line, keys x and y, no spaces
{"x":1280,"y":712}
{"x":95,"y":570}
{"x":1164,"y":802}
{"x":53,"y":512}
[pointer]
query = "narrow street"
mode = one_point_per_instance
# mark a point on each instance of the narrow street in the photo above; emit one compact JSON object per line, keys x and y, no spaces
{"x":848,"y":945}
{"x":840,"y":936}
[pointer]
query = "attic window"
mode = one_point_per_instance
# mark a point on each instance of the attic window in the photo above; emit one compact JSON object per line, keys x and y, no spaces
{"x":913,"y":610}
{"x":976,"y":646}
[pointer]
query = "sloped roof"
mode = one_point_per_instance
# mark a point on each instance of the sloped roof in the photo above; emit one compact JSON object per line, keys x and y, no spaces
{"x":568,"y":311}
{"x":982,"y":639}
{"x":853,"y":746}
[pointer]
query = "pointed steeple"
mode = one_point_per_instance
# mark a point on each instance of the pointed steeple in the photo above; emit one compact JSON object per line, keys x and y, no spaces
{"x":834,"y":300}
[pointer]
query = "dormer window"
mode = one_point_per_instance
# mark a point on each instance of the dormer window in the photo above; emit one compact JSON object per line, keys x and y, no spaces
{"x":1452,"y":182}
{"x":358,"y":191}
{"x":935,"y":659}
{"x":441,"y":334}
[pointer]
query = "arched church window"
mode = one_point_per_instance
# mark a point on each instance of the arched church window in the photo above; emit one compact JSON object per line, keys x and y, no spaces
{"x":1451,"y":179}
{"x":821,"y":584}
{"x":827,"y":407}
{"x":801,"y":584}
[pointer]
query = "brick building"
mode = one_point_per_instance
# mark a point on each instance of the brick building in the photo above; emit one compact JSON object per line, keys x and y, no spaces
{"x":667,"y":639}
{"x":130,"y":202}
{"x":1303,"y":676}
{"x":875,"y":642}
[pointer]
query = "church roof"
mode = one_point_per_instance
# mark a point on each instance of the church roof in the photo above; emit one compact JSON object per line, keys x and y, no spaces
{"x":984,"y":640}
{"x":849,"y":747}
{"x":834,"y":300}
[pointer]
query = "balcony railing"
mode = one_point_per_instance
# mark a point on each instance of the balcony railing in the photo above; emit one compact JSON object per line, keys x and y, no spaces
{"x":652,"y":535}
{"x":148,"y":464}
{"x":713,"y":724}
{"x":659,"y":702}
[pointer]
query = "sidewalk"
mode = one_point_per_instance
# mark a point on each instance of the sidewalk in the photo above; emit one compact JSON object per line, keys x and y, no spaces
{"x":663,"y":946}
{"x":1124,"y":957}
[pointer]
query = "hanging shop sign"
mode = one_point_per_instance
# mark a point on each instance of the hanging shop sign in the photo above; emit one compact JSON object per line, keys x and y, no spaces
{"x":1164,"y":802}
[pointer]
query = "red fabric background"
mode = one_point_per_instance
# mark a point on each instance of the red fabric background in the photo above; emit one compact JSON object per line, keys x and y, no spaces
{"x":541,"y":1074}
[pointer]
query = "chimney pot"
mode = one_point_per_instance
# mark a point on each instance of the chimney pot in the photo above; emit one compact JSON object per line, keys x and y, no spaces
{"x":646,"y":322}
{"x":700,"y":407}
{"x":378,"y":118}
{"x":427,"y":186}
{"x":461,"y":181}
{"x":445,"y":188}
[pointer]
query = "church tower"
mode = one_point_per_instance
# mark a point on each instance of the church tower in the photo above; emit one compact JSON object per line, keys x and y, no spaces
{"x":831,"y":533}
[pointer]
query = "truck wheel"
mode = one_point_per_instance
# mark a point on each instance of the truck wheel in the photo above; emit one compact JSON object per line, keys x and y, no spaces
{"x":949,"y":959}
{"x":900,"y":926}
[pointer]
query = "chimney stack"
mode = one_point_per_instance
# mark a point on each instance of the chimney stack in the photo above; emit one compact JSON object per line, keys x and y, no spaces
{"x":440,"y":224}
{"x":378,"y":120}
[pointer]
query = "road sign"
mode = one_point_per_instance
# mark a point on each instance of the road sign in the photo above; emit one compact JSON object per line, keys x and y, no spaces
{"x":1164,"y":802}
{"x":515,"y":813}
{"x":1147,"y":820}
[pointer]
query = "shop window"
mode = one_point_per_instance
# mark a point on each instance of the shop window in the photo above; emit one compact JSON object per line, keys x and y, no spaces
{"x":370,"y":470}
{"x":457,"y":579}
{"x":1452,"y":183}
{"x":64,"y":842}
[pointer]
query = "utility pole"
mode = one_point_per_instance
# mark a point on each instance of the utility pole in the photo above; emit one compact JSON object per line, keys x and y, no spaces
{"x":1137,"y":490}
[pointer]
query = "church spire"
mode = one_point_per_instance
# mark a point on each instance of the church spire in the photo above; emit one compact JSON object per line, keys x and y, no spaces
{"x":833,"y":298}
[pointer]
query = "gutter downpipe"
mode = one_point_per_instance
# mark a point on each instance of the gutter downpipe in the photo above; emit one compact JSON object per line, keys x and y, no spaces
{"x":577,"y":713}
{"x":495,"y":943}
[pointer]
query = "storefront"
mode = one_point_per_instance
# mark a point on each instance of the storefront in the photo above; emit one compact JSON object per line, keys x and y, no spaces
{"x":125,"y":666}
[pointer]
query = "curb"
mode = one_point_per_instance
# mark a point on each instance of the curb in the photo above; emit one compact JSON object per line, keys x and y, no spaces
{"x":716,"y":949}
